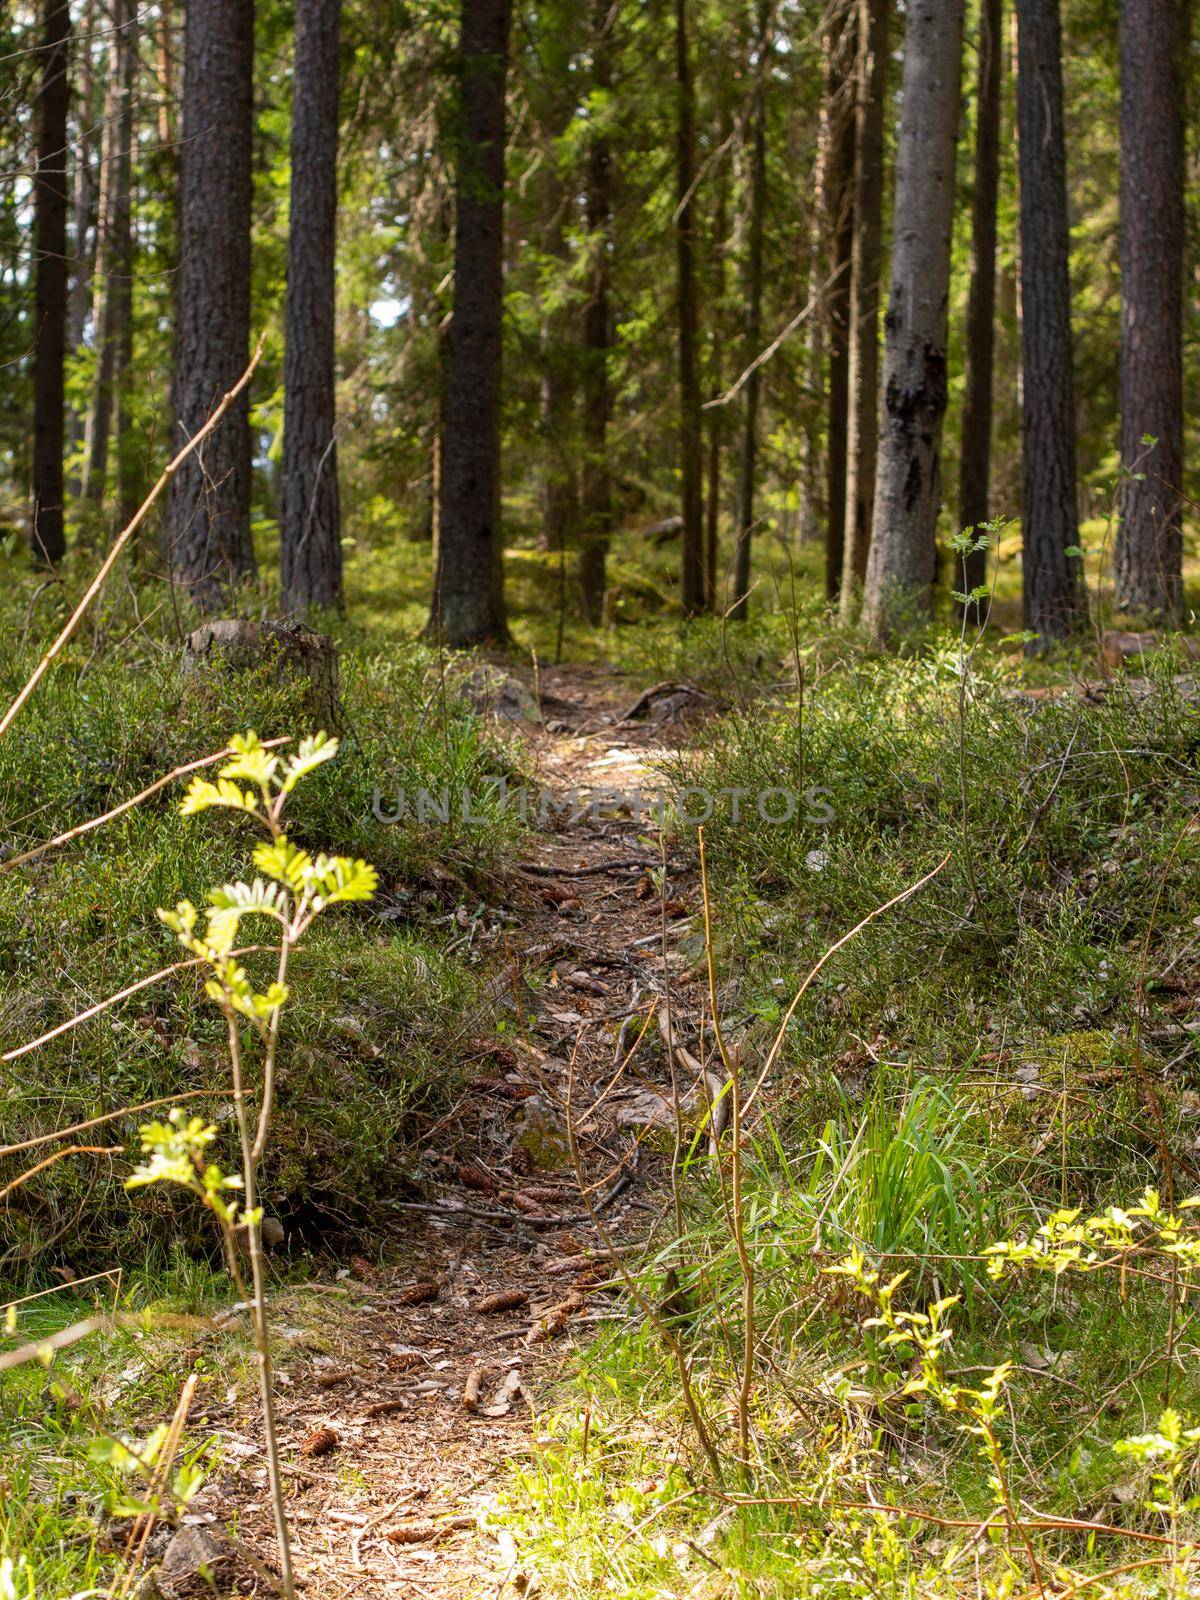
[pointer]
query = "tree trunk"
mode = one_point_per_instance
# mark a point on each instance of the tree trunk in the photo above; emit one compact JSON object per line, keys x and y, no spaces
{"x":596,"y":508}
{"x":874,"y":19}
{"x":692,"y":545}
{"x":468,"y":602}
{"x":716,"y":416}
{"x":47,"y":535}
{"x":903,"y":554}
{"x":129,"y":470}
{"x":114,"y":287}
{"x":553,"y":104}
{"x":1149,"y":551}
{"x":166,"y":76}
{"x":754,"y":286}
{"x":310,"y":529}
{"x":1053,"y":595}
{"x":838,"y":197}
{"x":83,"y":209}
{"x":207,"y":534}
{"x":975,"y":469}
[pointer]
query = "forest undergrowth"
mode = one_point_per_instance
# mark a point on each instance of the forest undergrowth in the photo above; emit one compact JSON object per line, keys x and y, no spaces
{"x":1013,"y":1041}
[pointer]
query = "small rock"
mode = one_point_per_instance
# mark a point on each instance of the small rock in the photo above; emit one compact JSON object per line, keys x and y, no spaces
{"x":197,"y":1563}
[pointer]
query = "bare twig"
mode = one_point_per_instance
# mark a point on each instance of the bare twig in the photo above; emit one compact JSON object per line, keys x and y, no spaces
{"x":126,"y":805}
{"x":123,"y":538}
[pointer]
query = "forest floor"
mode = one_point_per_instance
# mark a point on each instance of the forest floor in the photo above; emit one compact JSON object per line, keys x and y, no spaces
{"x":391,"y":1470}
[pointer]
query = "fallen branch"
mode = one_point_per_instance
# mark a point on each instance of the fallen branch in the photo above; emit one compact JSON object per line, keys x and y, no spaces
{"x":897,"y":899}
{"x":648,"y":696}
{"x":538,"y":870}
{"x":123,"y":538}
{"x":127,"y":805}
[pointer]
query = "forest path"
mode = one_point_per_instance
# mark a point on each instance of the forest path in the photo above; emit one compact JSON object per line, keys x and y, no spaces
{"x":390,"y":1472}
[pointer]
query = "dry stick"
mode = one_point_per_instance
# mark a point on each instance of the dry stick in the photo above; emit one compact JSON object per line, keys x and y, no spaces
{"x":103,"y":1005}
{"x":896,"y":900}
{"x":765,"y":355}
{"x":745,"y":1264}
{"x":109,"y":1116}
{"x":126,"y":805}
{"x":60,"y":1155}
{"x":1030,"y":1524}
{"x":113,"y":1274}
{"x":39,"y":1348}
{"x":259,"y":1303}
{"x":139,"y":1534}
{"x":124,"y":537}
{"x":668,"y":1335}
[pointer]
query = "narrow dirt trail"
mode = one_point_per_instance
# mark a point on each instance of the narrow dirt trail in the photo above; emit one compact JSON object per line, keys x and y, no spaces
{"x":500,"y":1265}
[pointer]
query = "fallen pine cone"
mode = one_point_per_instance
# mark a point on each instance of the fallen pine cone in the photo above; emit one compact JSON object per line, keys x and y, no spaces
{"x":549,"y":1326}
{"x":476,"y":1178}
{"x":420,"y":1532}
{"x":531,"y":1208}
{"x":506,"y":1300}
{"x":404,"y":1362}
{"x":319,"y":1442}
{"x":502,"y":1087}
{"x":362,"y":1269}
{"x":419,"y":1294}
{"x":386,"y":1408}
{"x":470,"y":1394}
{"x":554,"y":1321}
{"x":330,"y":1380}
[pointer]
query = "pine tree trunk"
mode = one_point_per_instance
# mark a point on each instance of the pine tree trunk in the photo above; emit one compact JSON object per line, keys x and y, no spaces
{"x":1149,"y":551}
{"x":716,"y":416}
{"x":207,"y":534}
{"x":692,"y":544}
{"x":310,"y":528}
{"x":129,"y":473}
{"x":903,"y":555}
{"x":1053,"y":595}
{"x":874,"y":18}
{"x":167,"y":133}
{"x":838,"y":196}
{"x":596,"y":508}
{"x":83,"y":210}
{"x":748,"y":462}
{"x":468,"y":603}
{"x":975,"y":469}
{"x":47,"y":535}
{"x":114,"y":287}
{"x":554,"y":103}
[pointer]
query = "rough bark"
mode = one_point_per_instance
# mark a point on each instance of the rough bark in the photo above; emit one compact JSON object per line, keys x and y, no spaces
{"x":1053,"y":593}
{"x":468,"y":602}
{"x":1149,"y":548}
{"x":757,"y":203}
{"x":691,"y":500}
{"x":553,"y":102}
{"x":596,"y":503}
{"x":289,"y":654}
{"x":838,"y":203}
{"x":975,"y":469}
{"x":903,"y":555}
{"x":716,"y":416}
{"x":114,"y":284}
{"x":207,"y":532}
{"x":83,"y":206}
{"x":47,"y":535}
{"x":310,"y":527}
{"x":871,"y":74}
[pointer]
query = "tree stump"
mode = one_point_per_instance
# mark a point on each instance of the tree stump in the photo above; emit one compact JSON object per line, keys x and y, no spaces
{"x":294,"y":654}
{"x":1119,"y":650}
